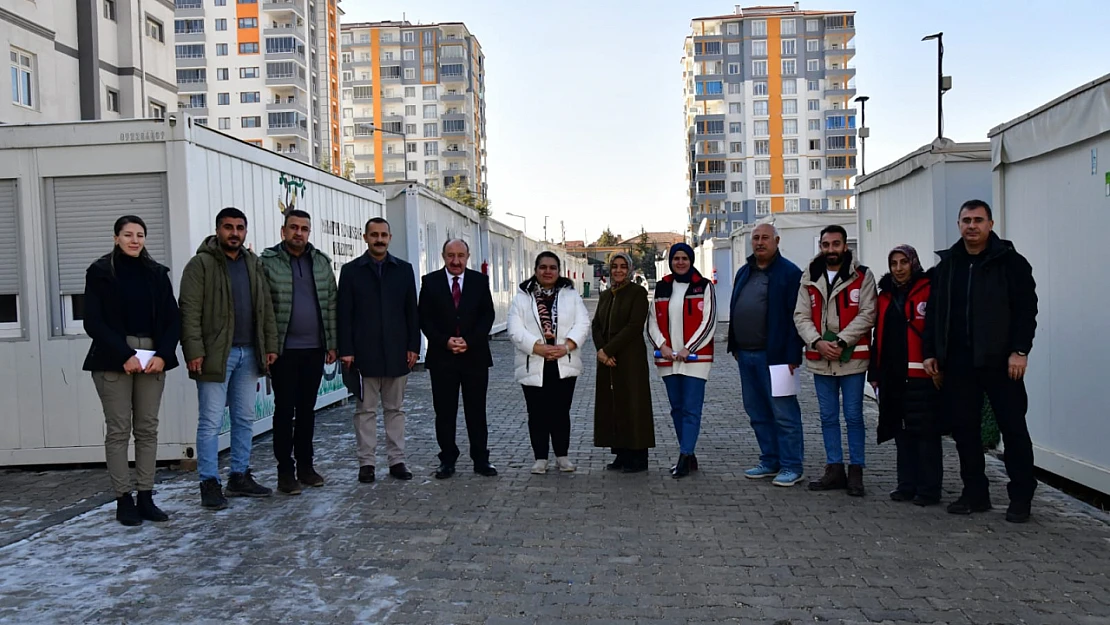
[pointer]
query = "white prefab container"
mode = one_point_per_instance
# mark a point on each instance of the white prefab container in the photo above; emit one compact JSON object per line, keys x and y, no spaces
{"x":799,"y":235}
{"x":916,"y":199}
{"x":713,"y":259}
{"x":62,"y":186}
{"x":1052,"y":195}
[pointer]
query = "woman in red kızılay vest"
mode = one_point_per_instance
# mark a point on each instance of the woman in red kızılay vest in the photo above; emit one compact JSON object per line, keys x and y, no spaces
{"x":908,"y":397}
{"x":681,"y":327}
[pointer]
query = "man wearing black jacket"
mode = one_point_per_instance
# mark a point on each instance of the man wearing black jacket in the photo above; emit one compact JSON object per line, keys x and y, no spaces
{"x":456,"y":314}
{"x":978,"y":334}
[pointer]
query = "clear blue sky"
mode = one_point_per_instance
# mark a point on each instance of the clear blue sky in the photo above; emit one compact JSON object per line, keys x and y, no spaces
{"x":584,"y":98}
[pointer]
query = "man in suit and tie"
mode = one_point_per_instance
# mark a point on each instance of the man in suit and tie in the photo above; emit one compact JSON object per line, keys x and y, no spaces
{"x":456,"y":315}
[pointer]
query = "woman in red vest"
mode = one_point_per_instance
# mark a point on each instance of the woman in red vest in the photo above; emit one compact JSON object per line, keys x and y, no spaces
{"x":908,"y":397}
{"x":681,"y":327}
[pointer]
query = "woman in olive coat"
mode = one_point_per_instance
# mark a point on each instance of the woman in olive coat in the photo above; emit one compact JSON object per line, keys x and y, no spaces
{"x":622,"y":407}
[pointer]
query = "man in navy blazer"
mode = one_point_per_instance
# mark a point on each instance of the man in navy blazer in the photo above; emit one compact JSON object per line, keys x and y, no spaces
{"x":762,"y":334}
{"x":456,"y":315}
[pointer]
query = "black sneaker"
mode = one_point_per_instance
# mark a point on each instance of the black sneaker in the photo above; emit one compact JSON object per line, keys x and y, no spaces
{"x":126,"y":512}
{"x":243,"y":485}
{"x":288,"y":484}
{"x":309,"y":477}
{"x":966,"y":505}
{"x":1018,"y":512}
{"x":212,"y":495}
{"x":148,"y":511}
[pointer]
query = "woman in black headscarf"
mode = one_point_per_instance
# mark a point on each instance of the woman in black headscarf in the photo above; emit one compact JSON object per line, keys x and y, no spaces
{"x":908,"y":397}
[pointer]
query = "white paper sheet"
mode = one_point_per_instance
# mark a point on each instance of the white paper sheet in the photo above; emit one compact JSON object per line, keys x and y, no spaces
{"x":144,"y":356}
{"x":784,"y":383}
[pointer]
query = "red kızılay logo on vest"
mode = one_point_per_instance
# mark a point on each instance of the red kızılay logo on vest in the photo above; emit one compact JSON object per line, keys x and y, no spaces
{"x":921,"y":309}
{"x":853,"y":295}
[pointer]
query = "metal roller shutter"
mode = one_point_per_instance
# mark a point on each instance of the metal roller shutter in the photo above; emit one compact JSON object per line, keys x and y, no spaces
{"x":9,"y":241}
{"x":86,"y":208}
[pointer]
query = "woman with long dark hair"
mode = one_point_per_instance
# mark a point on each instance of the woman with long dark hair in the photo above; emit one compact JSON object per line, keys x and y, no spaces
{"x":622,"y":408}
{"x":908,"y":396}
{"x":548,"y":323}
{"x":131,"y":315}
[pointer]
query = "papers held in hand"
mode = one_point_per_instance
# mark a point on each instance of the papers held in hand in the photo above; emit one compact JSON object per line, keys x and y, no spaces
{"x":144,"y":356}
{"x":783,"y":382}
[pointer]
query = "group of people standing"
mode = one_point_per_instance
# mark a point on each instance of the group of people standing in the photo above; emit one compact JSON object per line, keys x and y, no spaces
{"x":932,"y":344}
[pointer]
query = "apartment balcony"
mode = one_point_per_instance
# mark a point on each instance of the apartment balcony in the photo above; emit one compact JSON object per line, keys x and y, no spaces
{"x":188,"y":8}
{"x":394,"y":156}
{"x":195,"y":111}
{"x":849,"y":111}
{"x":843,"y":73}
{"x":454,"y":116}
{"x":393,"y":100}
{"x":393,"y":118}
{"x":711,"y":197}
{"x":361,"y":63}
{"x":453,"y":78}
{"x":453,"y":97}
{"x":363,"y":157}
{"x":285,"y":30}
{"x":705,"y":175}
{"x":845,"y":52}
{"x":852,"y":151}
{"x":832,"y":193}
{"x":364,"y":119}
{"x":296,"y":105}
{"x":843,"y":92}
{"x":192,"y":87}
{"x":709,"y":58}
{"x":843,"y":132}
{"x":288,"y":130}
{"x":360,"y":83}
{"x":295,"y":155}
{"x":395,"y":176}
{"x":190,"y":62}
{"x":194,"y":37}
{"x":455,"y":154}
{"x":287,"y":55}
{"x":283,"y":7}
{"x":840,"y":173}
{"x":287,"y":80}
{"x":706,"y":97}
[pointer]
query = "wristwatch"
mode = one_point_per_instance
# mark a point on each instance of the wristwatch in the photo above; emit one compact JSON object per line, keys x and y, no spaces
{"x":1022,"y":354}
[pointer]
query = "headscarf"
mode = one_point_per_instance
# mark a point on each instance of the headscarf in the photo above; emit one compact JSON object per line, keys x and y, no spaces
{"x":681,"y":247}
{"x":628,"y":259}
{"x":911,"y":254}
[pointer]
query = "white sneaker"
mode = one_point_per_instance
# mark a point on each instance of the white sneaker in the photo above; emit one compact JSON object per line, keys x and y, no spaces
{"x":564,"y":464}
{"x":540,"y":467}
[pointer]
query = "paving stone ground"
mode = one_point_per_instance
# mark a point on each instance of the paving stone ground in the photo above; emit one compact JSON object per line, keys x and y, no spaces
{"x":592,"y":547}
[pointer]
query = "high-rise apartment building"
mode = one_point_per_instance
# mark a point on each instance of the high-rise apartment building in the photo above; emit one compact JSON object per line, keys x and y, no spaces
{"x":414,"y":104}
{"x":96,"y":59}
{"x":769,"y":116}
{"x":264,"y":71}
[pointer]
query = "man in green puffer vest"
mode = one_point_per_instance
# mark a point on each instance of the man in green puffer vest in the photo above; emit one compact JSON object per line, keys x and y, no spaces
{"x":303,"y":288}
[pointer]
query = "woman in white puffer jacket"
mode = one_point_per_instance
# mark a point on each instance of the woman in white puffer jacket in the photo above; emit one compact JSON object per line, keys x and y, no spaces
{"x":548,"y":323}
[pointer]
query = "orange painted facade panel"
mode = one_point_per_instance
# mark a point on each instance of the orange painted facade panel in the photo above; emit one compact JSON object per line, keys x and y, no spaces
{"x":376,"y":75}
{"x":774,"y":108}
{"x":246,"y":35}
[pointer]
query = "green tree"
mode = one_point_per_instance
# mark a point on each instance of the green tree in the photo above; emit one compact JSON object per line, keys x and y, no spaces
{"x":349,"y":169}
{"x":644,"y":254}
{"x":325,"y":162}
{"x":460,"y":192}
{"x":607,"y":239}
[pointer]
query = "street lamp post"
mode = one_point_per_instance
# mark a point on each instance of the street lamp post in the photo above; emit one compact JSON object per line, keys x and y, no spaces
{"x":545,"y":228}
{"x":944,"y":83}
{"x":404,"y":148}
{"x":864,"y":132}
{"x":522,"y":218}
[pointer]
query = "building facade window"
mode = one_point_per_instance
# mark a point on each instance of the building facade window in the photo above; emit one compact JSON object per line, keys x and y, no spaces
{"x":736,"y":167}
{"x":789,"y":67}
{"x":763,"y":187}
{"x":813,"y":105}
{"x":789,"y":146}
{"x":225,"y":123}
{"x":788,"y":27}
{"x":735,"y":108}
{"x":248,"y":48}
{"x":157,"y":110}
{"x":759,"y":47}
{"x":759,"y":28}
{"x":759,"y":88}
{"x":110,"y":10}
{"x":763,"y":147}
{"x":791,"y":186}
{"x":111,"y":100}
{"x":789,"y":87}
{"x":223,"y":99}
{"x":761,"y":128}
{"x":763,"y":207}
{"x":732,"y":28}
{"x":248,"y":22}
{"x":813,"y":85}
{"x":813,"y":65}
{"x":24,"y":84}
{"x":736,"y":147}
{"x":735,"y":87}
{"x":248,"y":72}
{"x":815,"y":184}
{"x":813,"y":26}
{"x":733,"y":69}
{"x":789,"y":126}
{"x":789,"y":107}
{"x":814,"y":124}
{"x":155,"y":30}
{"x":789,"y":47}
{"x":736,"y":186}
{"x":221,"y":24}
{"x":221,"y":49}
{"x":735,"y":128}
{"x":733,"y":48}
{"x":760,"y":108}
{"x":250,"y":97}
{"x":763,"y":168}
{"x":251,"y":122}
{"x":429,"y":93}
{"x":431,"y":130}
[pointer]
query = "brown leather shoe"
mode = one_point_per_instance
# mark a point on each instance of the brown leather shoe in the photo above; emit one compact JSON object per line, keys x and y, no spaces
{"x":855,"y":480}
{"x":833,"y":479}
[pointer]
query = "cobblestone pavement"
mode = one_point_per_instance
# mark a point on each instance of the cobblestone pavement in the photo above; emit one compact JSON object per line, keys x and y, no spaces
{"x":590,"y":547}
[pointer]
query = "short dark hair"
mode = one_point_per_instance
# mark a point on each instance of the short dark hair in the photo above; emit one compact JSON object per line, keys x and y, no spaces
{"x":230,"y":213}
{"x":546,"y":254}
{"x":450,"y":241}
{"x":835,"y":229}
{"x":299,"y":214}
{"x":971,"y":205}
{"x":376,"y":220}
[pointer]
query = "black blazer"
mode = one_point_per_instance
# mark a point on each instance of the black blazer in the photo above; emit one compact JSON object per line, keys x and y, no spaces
{"x":439,"y":320}
{"x":378,"y":322}
{"x":104,"y":318}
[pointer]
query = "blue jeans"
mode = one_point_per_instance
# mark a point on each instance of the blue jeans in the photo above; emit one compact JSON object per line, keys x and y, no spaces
{"x":829,"y":390}
{"x":687,"y":394}
{"x":238,"y":392}
{"x":777,"y":421}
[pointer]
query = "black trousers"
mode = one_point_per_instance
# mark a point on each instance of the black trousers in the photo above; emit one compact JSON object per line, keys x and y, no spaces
{"x":964,"y":390}
{"x":446,"y":382}
{"x":549,"y":412}
{"x":920,"y":464}
{"x":296,"y":378}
